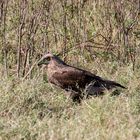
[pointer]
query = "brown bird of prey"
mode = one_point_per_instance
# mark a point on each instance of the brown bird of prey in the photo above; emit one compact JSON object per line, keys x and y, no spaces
{"x":76,"y":81}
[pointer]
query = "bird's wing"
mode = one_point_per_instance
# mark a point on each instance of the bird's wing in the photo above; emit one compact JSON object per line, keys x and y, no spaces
{"x":71,"y":77}
{"x":108,"y":84}
{"x":68,"y":77}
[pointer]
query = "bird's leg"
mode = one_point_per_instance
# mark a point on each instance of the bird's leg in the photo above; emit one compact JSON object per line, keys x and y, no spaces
{"x":76,"y":97}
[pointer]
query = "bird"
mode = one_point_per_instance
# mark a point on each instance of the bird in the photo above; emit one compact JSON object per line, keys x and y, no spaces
{"x":75,"y":81}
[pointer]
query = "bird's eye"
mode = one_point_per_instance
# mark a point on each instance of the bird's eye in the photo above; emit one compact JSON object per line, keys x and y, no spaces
{"x":48,"y":58}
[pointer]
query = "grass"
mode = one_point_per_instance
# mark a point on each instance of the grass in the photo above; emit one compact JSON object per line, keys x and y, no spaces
{"x":34,"y":109}
{"x":100,"y":36}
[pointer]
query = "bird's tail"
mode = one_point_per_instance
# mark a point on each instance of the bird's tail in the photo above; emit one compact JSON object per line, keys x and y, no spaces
{"x":112,"y":84}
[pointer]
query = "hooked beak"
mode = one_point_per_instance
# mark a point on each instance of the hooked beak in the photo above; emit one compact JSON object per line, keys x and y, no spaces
{"x":41,"y":62}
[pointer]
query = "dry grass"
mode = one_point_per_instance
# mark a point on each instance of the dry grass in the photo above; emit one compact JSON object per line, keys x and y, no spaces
{"x":33,"y":109}
{"x":98,"y":35}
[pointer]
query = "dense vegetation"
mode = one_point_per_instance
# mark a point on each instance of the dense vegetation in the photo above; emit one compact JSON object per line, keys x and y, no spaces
{"x":102,"y":36}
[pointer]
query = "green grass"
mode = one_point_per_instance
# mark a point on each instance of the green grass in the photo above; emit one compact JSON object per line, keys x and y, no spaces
{"x":34,"y":109}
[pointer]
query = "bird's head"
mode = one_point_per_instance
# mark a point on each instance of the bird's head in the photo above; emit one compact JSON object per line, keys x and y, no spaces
{"x":50,"y":58}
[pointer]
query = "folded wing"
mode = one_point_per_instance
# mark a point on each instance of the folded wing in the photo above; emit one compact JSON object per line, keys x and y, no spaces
{"x":77,"y":79}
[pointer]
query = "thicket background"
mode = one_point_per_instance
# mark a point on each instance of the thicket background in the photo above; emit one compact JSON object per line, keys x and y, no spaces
{"x":105,"y":29}
{"x":100,"y":35}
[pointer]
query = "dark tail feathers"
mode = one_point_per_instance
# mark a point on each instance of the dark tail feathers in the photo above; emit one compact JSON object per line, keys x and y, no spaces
{"x":119,"y":85}
{"x":112,"y":84}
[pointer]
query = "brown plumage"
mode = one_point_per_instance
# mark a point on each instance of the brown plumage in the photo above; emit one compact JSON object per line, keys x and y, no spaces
{"x":73,"y":79}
